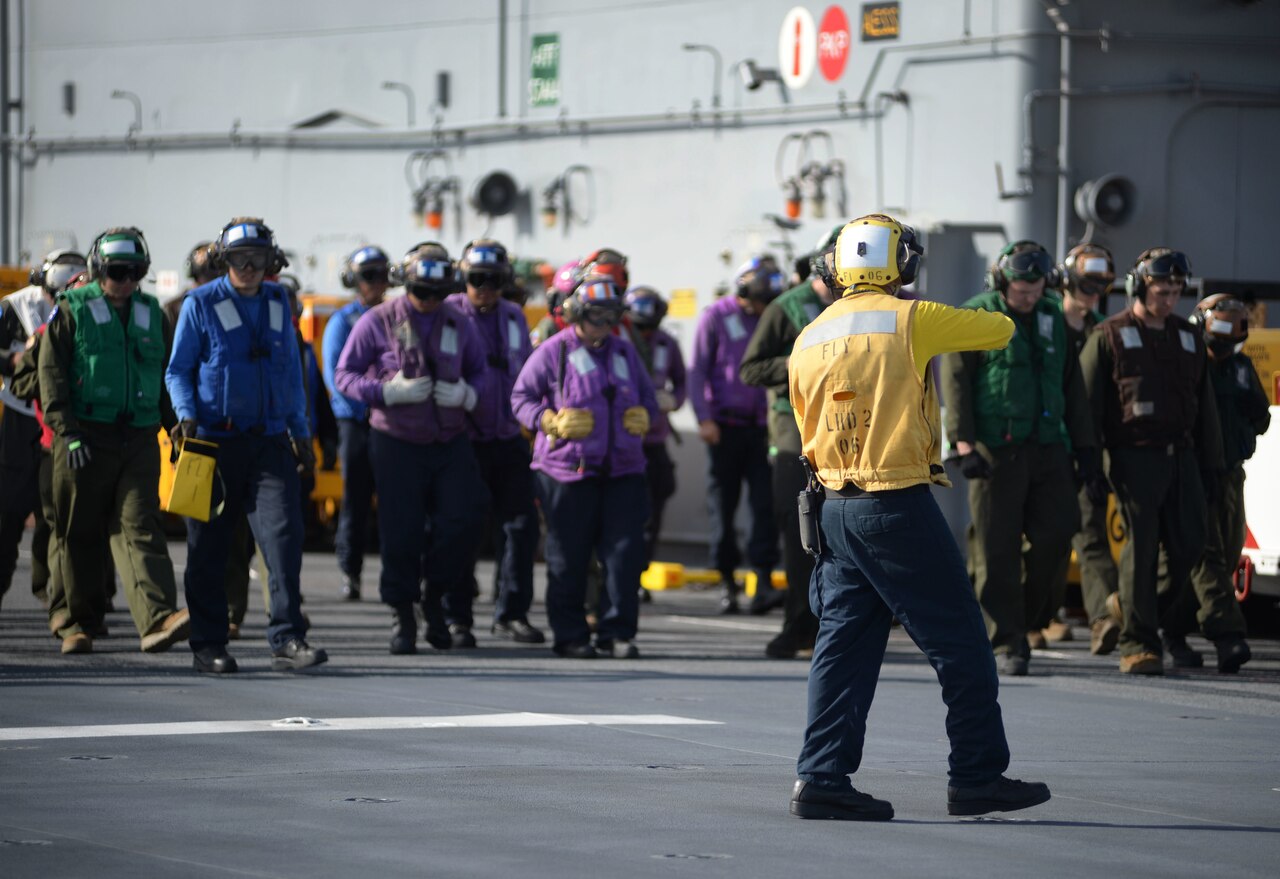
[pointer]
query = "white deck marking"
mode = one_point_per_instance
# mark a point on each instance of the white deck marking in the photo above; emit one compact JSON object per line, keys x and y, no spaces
{"x":723,"y":624}
{"x":306,"y":724}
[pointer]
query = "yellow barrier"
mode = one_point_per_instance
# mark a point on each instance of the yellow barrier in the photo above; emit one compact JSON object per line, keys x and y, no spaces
{"x":663,"y":576}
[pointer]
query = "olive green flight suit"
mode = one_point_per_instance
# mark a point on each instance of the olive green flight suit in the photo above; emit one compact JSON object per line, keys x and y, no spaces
{"x":111,"y":499}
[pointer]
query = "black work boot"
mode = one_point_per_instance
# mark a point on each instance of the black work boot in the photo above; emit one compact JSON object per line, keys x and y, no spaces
{"x":1001,"y":795}
{"x":404,"y":630}
{"x":1181,"y":652}
{"x":811,"y":801}
{"x":1233,"y":652}
{"x":729,"y":596}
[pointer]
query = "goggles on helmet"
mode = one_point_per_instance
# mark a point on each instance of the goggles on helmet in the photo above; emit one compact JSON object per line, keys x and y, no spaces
{"x":122,"y":271}
{"x":254,"y":259}
{"x":485,"y":278}
{"x":1026,"y":265}
{"x":420,"y":290}
{"x":764,"y":286}
{"x":376,"y":273}
{"x":1166,"y":265}
{"x":603,"y":315}
{"x":646,"y":311}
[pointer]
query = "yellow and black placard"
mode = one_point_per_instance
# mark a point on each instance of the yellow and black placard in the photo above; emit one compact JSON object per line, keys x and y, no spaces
{"x":879,"y":22}
{"x":192,"y":491}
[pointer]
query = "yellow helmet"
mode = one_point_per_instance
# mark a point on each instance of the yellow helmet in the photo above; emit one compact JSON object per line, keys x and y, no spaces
{"x":874,"y":250}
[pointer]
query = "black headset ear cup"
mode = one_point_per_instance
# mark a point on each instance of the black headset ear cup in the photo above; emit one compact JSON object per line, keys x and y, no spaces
{"x":571,"y":309}
{"x":822,"y":266}
{"x":910,"y":268}
{"x":1135,"y":285}
{"x":1053,"y":280}
{"x":348,"y":280}
{"x":36,"y":276}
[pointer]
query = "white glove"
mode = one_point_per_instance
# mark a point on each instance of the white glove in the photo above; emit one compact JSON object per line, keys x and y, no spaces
{"x":666,"y":400}
{"x":452,"y":395}
{"x":400,"y":390}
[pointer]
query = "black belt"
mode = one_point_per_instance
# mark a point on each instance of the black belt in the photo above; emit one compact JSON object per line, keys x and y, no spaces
{"x":852,"y":491}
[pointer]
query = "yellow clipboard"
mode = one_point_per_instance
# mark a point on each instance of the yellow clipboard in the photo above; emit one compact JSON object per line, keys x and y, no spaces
{"x":192,"y":491}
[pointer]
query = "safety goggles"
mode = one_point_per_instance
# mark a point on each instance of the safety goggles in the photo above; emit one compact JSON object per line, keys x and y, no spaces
{"x":375,"y":274}
{"x":482,"y":278}
{"x":1027,"y":265}
{"x":419,"y":290}
{"x":765,"y":286}
{"x":644,"y":312}
{"x":1167,"y":265}
{"x":126,"y":271}
{"x":602,"y":315}
{"x":245,"y":260}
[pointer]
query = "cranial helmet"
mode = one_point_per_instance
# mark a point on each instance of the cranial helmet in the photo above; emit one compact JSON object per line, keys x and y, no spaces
{"x":1156,"y":262}
{"x":1088,"y":269}
{"x":872,"y":251}
{"x":646,"y":307}
{"x":1224,"y":320}
{"x":759,"y":279}
{"x":368,"y":257}
{"x":57,"y":269}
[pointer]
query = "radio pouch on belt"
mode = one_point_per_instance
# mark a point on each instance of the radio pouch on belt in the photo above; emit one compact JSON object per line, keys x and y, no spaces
{"x":192,"y":491}
{"x":809,"y":502}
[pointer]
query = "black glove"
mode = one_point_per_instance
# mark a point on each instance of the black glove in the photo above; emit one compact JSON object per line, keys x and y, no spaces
{"x":328,"y":453}
{"x":974,"y":466}
{"x":184,"y":429}
{"x":1097,"y":489}
{"x":305,"y":454}
{"x":78,"y":453}
{"x":1088,"y":465}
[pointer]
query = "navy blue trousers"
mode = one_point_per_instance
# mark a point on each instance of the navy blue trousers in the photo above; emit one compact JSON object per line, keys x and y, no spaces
{"x":504,"y":467}
{"x":261,"y":479}
{"x":886,"y":556}
{"x":742,"y":455}
{"x":605,"y":515}
{"x":357,"y":495}
{"x":435,"y":485}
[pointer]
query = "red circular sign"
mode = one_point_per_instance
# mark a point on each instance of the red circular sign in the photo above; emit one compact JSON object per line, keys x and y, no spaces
{"x":833,"y":43}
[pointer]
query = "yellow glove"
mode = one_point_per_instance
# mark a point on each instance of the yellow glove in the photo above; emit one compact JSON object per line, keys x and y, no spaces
{"x":567,"y":423}
{"x":636,"y":421}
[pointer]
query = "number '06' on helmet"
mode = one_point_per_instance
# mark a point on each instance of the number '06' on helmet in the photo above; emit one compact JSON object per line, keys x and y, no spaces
{"x":876,"y":251}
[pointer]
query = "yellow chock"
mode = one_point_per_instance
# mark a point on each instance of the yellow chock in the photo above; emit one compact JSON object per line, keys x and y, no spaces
{"x":777,"y":578}
{"x":661,"y":576}
{"x":192,"y":491}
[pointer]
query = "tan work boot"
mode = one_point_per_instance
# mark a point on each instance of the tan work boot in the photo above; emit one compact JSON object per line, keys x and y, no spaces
{"x":60,"y":620}
{"x":1058,"y":631}
{"x":1141,"y":664}
{"x":1104,"y":634}
{"x":78,"y":642}
{"x":1113,"y":607}
{"x":233,"y":631}
{"x":167,"y":632}
{"x":1036,"y":641}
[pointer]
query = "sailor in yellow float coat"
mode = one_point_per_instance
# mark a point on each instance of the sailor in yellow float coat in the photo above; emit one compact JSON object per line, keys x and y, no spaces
{"x":867,"y":409}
